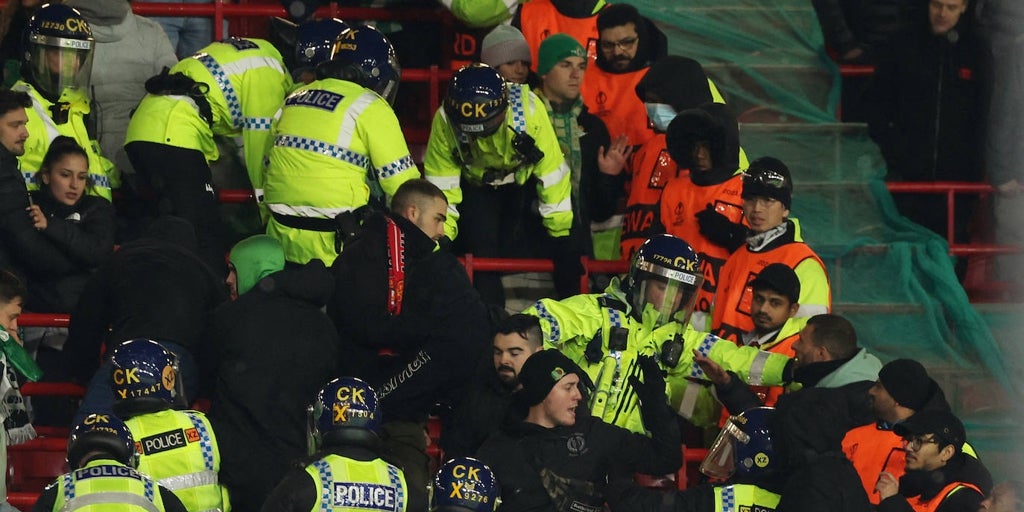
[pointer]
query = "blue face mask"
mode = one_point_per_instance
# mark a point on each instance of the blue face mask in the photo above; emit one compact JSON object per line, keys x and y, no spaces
{"x":660,"y":115}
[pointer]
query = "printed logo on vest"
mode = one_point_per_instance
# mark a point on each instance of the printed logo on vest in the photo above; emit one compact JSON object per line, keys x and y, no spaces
{"x":164,"y":441}
{"x":365,"y":496}
{"x":316,"y":98}
{"x":106,"y":471}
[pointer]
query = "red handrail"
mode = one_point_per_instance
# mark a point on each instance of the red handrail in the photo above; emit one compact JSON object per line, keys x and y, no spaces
{"x":855,"y":70}
{"x":950,"y":189}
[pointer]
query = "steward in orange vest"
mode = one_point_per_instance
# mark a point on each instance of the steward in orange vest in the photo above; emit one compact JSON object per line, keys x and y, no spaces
{"x":767,"y":196}
{"x":706,"y":209}
{"x":538,"y":19}
{"x":627,"y":45}
{"x":903,"y":388}
{"x":671,"y":85}
{"x":939,"y":474}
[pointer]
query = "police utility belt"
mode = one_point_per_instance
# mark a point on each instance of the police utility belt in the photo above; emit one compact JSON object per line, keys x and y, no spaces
{"x":345,"y":226}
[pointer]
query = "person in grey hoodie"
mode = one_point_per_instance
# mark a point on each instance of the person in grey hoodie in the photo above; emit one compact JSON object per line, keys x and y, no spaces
{"x":129,"y":50}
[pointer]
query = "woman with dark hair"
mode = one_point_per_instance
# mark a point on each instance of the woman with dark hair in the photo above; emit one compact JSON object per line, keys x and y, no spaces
{"x":73,"y":232}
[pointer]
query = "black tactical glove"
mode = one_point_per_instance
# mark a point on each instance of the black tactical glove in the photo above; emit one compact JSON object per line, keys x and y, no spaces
{"x":720,"y":230}
{"x":651,"y":391}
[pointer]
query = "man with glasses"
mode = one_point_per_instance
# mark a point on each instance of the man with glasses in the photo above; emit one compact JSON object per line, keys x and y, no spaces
{"x":939,"y":475}
{"x":774,"y":238}
{"x":903,"y":388}
{"x":627,"y":45}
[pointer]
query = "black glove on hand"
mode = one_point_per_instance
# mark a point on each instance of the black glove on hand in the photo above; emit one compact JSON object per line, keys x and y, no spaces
{"x":651,"y":391}
{"x":720,"y":230}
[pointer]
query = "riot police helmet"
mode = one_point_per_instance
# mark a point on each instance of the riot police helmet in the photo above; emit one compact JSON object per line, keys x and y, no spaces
{"x":464,"y":484}
{"x":145,"y":378}
{"x":59,"y":46}
{"x":365,"y":56}
{"x":664,"y":280}
{"x":345,"y":411}
{"x":744,"y":449}
{"x":103,"y":433}
{"x":477,"y":101}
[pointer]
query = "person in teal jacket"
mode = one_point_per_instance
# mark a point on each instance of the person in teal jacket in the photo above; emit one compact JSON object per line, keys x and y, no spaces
{"x":648,"y":313}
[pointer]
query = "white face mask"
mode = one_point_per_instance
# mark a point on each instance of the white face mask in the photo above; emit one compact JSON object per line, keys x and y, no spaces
{"x":660,"y":115}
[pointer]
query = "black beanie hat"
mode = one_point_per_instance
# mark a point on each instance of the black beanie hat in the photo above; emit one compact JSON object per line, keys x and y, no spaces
{"x":541,"y":372}
{"x":759,"y":180}
{"x":779,"y":278}
{"x":907,"y":382}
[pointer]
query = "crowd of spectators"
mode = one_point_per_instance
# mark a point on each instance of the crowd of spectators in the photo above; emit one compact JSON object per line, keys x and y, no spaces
{"x":570,"y":132}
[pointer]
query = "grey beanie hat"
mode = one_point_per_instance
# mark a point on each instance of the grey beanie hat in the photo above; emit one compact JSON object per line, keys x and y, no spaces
{"x":502,"y":45}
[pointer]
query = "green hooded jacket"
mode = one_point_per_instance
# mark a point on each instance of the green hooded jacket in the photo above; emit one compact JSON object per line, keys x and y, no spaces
{"x":255,"y":258}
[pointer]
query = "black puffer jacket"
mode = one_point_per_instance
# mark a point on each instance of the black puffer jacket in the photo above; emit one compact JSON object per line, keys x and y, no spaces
{"x":57,"y":261}
{"x":269,"y":352}
{"x":711,"y":123}
{"x":867,"y":24}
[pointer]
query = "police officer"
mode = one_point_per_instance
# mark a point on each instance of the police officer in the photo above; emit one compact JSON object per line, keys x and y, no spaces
{"x":347,"y":472}
{"x":230,"y":88}
{"x":486,"y":142}
{"x":333,"y":141}
{"x":305,"y":45}
{"x":648,"y":314}
{"x":178,"y":448}
{"x":101,"y":453}
{"x":55,"y":71}
{"x":744,"y":454}
{"x":464,"y":484}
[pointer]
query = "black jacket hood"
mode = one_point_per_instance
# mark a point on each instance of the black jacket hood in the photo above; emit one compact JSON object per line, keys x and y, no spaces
{"x":715,"y":124}
{"x":676,"y":81}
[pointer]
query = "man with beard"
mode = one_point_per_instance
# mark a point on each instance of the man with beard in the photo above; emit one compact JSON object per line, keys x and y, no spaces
{"x":488,"y":397}
{"x":809,"y":423}
{"x":627,"y":45}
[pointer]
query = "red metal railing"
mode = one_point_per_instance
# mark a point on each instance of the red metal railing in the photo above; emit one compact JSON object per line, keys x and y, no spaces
{"x":950,"y":189}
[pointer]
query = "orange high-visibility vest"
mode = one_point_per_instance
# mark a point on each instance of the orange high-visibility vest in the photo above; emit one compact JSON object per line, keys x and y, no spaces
{"x":680,"y":202}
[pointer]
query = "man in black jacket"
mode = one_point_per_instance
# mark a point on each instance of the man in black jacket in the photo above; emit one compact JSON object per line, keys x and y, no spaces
{"x":397,"y":291}
{"x":13,"y":134}
{"x":483,"y":405}
{"x":925,"y":108}
{"x":809,"y":424}
{"x":265,"y":355}
{"x":560,"y":458}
